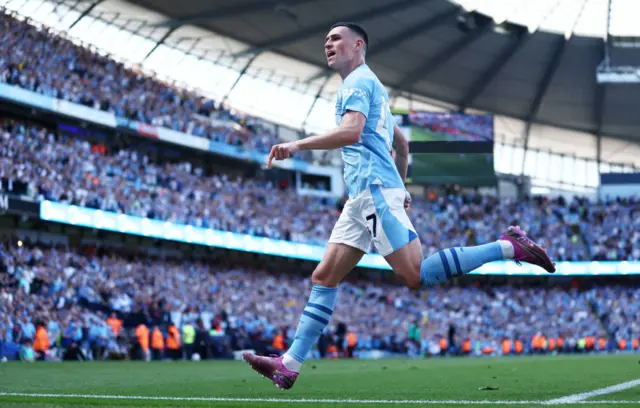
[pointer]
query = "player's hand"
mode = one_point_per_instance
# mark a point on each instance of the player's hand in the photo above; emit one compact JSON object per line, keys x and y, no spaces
{"x":407,"y":200}
{"x":282,"y":151}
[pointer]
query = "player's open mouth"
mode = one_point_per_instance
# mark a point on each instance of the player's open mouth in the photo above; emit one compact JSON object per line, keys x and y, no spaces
{"x":330,"y":54}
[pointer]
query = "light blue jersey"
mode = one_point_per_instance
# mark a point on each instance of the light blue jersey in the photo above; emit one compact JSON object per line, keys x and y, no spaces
{"x":369,"y":161}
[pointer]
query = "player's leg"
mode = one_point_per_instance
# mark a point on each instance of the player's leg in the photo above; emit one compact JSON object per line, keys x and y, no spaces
{"x":405,"y":263}
{"x":452,"y":262}
{"x":397,"y":241}
{"x":348,"y":243}
{"x":408,"y":263}
{"x":338,"y":260}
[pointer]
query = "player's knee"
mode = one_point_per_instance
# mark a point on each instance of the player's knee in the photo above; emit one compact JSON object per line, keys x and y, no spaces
{"x":322,"y":276}
{"x":411,"y":276}
{"x":413,"y":280}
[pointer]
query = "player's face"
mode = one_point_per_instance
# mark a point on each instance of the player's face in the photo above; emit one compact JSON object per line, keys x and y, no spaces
{"x":340,"y":47}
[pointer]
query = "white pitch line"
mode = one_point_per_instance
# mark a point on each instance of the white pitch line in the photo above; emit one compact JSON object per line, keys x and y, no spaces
{"x":575,"y":398}
{"x":308,"y":400}
{"x":274,"y":400}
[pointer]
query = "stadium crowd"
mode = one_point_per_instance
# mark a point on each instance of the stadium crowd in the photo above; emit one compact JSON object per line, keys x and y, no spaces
{"x":80,"y":304}
{"x":619,"y":309}
{"x":61,"y":168}
{"x":68,"y":170}
{"x":70,"y":293}
{"x":41,"y":61}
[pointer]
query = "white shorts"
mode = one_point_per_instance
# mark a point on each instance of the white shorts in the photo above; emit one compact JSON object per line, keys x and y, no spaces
{"x":376,"y":215}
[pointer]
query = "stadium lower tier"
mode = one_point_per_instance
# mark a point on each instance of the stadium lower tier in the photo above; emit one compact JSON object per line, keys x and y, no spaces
{"x":39,"y":162}
{"x":105,"y":304}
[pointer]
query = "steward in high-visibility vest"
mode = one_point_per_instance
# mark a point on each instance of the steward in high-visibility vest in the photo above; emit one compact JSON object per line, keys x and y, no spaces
{"x":41,"y":343}
{"x":352,"y":342}
{"x":157,"y":343}
{"x":506,"y":347}
{"x":466,"y":346}
{"x":188,"y":338}
{"x":622,"y":344}
{"x":519,"y":347}
{"x":278,"y":342}
{"x":142,"y":333}
{"x":173,"y":343}
{"x":551,"y":344}
{"x":115,"y":324}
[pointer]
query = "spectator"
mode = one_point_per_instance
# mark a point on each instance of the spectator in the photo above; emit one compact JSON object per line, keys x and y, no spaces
{"x":38,"y":60}
{"x":59,"y":168}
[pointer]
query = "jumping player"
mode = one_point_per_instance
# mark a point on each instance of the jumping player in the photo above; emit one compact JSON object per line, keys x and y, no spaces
{"x":375,"y":210}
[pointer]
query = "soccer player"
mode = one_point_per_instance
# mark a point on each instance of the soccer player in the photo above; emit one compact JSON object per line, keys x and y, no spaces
{"x":375,"y":210}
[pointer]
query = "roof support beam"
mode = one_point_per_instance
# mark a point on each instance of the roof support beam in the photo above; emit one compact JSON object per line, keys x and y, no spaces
{"x":598,"y":150}
{"x":229,"y":12}
{"x":114,"y":18}
{"x":85,"y":13}
{"x":159,"y":43}
{"x":59,"y":3}
{"x":569,"y":33}
{"x":598,"y":108}
{"x":142,"y":25}
{"x":194,"y":44}
{"x":433,"y":63}
{"x":315,"y":100}
{"x":494,"y":69}
{"x":549,"y":72}
{"x":422,"y":27}
{"x":601,"y":91}
{"x":324,"y":26}
{"x":244,"y":71}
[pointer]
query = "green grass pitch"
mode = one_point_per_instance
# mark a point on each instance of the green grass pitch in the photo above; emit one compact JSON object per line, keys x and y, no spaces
{"x":442,"y":382}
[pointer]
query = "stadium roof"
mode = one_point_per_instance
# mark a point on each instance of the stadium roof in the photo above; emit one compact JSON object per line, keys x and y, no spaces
{"x":422,"y":47}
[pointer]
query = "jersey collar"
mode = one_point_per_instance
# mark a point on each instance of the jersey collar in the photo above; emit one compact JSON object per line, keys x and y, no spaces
{"x":357,"y":68}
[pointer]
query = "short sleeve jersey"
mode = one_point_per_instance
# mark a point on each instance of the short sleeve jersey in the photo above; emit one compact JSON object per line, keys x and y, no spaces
{"x":369,"y":161}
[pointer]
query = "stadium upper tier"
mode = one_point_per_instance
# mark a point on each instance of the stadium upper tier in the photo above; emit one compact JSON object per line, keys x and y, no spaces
{"x":60,"y":168}
{"x":77,"y":64}
{"x":42,"y":62}
{"x":257,"y":303}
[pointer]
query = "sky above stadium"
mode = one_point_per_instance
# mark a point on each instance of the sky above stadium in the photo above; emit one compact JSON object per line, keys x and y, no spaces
{"x":584,"y":17}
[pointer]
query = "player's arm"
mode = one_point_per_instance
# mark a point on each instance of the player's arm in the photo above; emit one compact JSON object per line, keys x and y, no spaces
{"x":356,"y":101}
{"x":346,"y":134}
{"x":401,"y":146}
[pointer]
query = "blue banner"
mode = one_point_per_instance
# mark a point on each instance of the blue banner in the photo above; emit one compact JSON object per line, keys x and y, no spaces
{"x":16,"y":94}
{"x":126,"y":224}
{"x":23,"y":96}
{"x":84,"y":112}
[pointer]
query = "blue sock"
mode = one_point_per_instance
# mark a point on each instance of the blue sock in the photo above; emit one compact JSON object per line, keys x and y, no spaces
{"x":446,"y":264}
{"x":314,"y":319}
